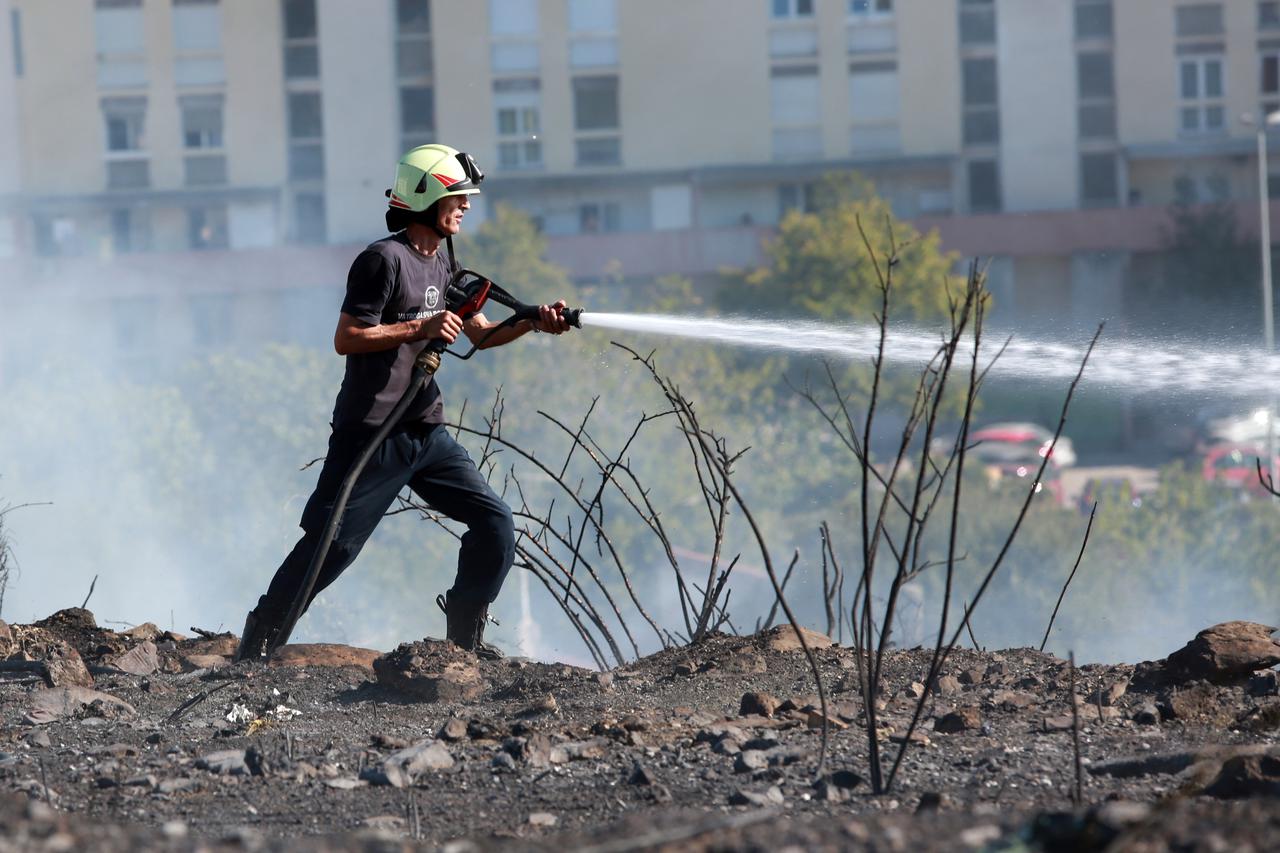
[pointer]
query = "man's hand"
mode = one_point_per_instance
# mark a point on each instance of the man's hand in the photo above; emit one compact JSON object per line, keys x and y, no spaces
{"x":551,"y":318}
{"x":445,"y":325}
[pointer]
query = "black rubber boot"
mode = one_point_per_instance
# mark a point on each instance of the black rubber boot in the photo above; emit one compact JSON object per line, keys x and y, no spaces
{"x":260,"y":629}
{"x":465,"y":626}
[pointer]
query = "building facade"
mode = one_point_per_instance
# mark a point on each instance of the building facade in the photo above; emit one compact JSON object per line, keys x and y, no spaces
{"x":663,"y":135}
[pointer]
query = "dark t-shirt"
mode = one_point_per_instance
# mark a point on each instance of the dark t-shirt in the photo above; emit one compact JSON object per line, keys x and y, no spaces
{"x":390,"y":282}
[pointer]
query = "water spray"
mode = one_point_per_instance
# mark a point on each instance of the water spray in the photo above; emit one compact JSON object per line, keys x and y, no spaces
{"x":1133,"y":365}
{"x":465,"y":294}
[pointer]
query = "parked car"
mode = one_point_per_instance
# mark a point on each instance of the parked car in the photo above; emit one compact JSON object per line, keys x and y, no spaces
{"x":1236,"y":465}
{"x":1020,"y":470}
{"x":1005,"y":442}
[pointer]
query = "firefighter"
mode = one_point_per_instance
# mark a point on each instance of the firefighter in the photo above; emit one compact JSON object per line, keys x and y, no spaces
{"x":395,"y":304}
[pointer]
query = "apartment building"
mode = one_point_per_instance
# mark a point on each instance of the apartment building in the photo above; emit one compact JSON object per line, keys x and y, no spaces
{"x":665,"y":135}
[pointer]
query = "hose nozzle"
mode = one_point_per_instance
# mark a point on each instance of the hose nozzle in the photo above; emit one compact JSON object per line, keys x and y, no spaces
{"x":573,"y":316}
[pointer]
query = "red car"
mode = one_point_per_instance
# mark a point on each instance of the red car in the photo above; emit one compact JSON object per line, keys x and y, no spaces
{"x":1235,"y":465}
{"x":1016,"y":441}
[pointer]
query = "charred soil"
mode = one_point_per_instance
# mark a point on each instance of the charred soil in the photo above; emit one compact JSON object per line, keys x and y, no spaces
{"x":713,"y":746}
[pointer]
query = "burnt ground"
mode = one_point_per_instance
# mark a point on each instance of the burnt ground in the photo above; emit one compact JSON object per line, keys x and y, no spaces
{"x":324,"y":755}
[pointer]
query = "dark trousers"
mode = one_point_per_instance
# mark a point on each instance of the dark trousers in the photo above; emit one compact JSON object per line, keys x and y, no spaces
{"x":438,"y":470}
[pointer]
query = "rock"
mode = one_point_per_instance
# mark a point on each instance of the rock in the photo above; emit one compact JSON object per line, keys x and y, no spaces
{"x":1231,"y":651}
{"x":948,"y":685}
{"x":1061,"y":723}
{"x":545,"y":705}
{"x":325,"y":655}
{"x":783,"y":639}
{"x":1247,"y":776}
{"x":142,"y":659}
{"x":914,"y":690}
{"x":917,"y":737}
{"x":57,"y":703}
{"x":421,"y":757}
{"x":761,"y":799}
{"x":1266,"y":683}
{"x":222,"y":645}
{"x":389,"y":822}
{"x":585,"y":749}
{"x":429,"y":673}
{"x":960,"y":720}
{"x":768,"y":740}
{"x":764,"y":704}
{"x":345,"y":783}
{"x":145,"y":631}
{"x":6,"y":639}
{"x":191,"y":663}
{"x":503,"y":761}
{"x":930,"y":801}
{"x":63,"y":667}
{"x":1010,"y":700}
{"x":1147,"y":714}
{"x":750,"y":761}
{"x":1113,"y":694}
{"x":542,"y":820}
{"x":1196,"y":702}
{"x":175,"y":786}
{"x":454,"y":729}
{"x":39,"y":739}
{"x":815,"y":720}
{"x":970,"y":676}
{"x":1119,"y":815}
{"x":229,"y":762}
{"x":641,"y":775}
{"x":382,"y":740}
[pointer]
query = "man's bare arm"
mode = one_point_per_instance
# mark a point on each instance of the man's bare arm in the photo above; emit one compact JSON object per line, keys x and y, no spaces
{"x":355,"y":336}
{"x":550,"y":319}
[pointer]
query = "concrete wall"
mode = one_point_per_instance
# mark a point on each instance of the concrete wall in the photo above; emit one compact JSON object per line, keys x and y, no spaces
{"x":1037,"y":80}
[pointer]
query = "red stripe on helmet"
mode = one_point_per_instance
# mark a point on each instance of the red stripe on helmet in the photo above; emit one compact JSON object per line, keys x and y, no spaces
{"x":445,"y":179}
{"x":397,"y":202}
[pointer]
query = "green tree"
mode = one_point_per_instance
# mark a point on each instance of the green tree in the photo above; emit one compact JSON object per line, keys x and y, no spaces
{"x":819,"y":265}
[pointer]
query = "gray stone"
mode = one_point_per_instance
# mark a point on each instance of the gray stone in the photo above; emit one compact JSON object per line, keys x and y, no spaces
{"x":762,"y":799}
{"x":142,"y":659}
{"x":750,"y":760}
{"x":1147,"y":714}
{"x":57,"y":703}
{"x":764,"y":704}
{"x":229,"y":762}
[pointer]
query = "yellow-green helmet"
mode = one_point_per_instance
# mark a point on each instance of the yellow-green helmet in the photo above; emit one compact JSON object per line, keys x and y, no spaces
{"x":428,"y":173}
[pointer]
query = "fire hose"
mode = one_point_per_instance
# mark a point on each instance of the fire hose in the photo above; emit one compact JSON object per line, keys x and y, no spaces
{"x":466,"y":292}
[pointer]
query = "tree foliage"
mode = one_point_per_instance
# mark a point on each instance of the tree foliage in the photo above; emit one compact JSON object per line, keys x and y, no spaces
{"x":819,"y":265}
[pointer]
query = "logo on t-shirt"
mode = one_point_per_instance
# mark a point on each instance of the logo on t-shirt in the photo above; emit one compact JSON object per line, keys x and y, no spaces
{"x":433,"y":296}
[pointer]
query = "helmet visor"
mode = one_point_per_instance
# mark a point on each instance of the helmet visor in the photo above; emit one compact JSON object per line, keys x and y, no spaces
{"x":469,"y":168}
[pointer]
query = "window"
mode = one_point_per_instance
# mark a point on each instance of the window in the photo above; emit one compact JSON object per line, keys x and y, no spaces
{"x":977,"y":22}
{"x":125,"y":123}
{"x":801,"y":197}
{"x":1201,"y":19}
{"x":207,"y":227}
{"x":984,"y":186}
{"x":593,"y":26}
{"x":865,"y":9}
{"x":207,"y":170}
{"x":129,"y":230}
{"x":796,"y":111}
{"x":599,"y":218}
{"x":1093,"y":19}
{"x":793,"y":42}
{"x":413,"y":17}
{"x":981,"y":102}
{"x":518,"y":106}
{"x":513,"y":17}
{"x":783,"y":9}
{"x":413,"y":39}
{"x":593,"y":16}
{"x":119,"y":37}
{"x":1202,"y":90}
{"x":128,"y":174}
{"x":417,"y":110}
{"x":309,"y":219}
{"x":15,"y":32}
{"x":1094,"y":75}
{"x":306,"y":130}
{"x":1099,"y":180}
{"x":301,"y":45}
{"x":201,"y":121}
{"x":197,"y":26}
{"x":598,"y":151}
{"x":1269,"y":15}
{"x":874,"y":104}
{"x":1269,"y":85}
{"x":595,"y":102}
